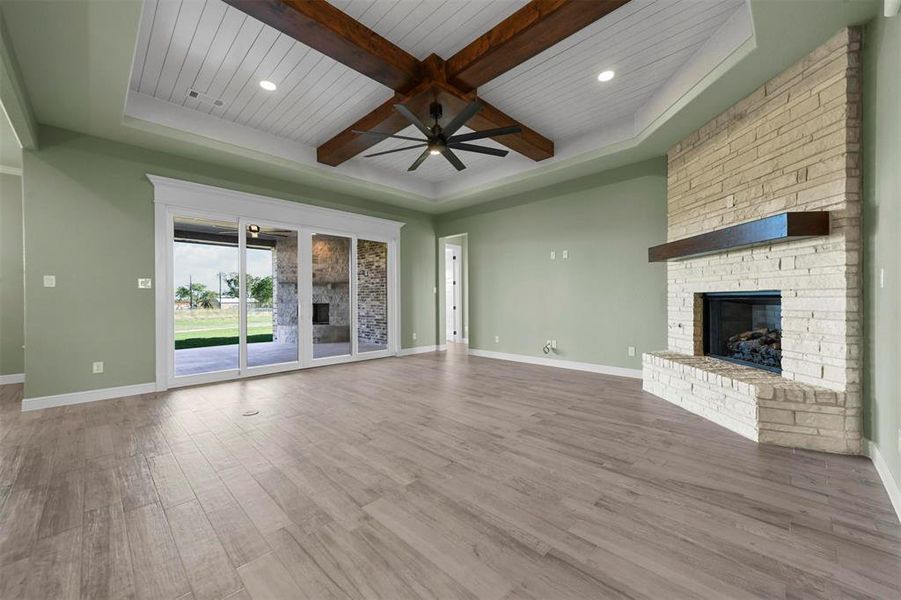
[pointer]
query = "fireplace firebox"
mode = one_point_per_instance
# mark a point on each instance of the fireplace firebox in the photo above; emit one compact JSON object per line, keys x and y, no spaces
{"x":745,"y":328}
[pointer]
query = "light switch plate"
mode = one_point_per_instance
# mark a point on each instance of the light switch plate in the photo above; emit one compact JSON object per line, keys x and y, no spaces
{"x":49,"y":280}
{"x":565,"y":254}
{"x":145,"y":283}
{"x":631,"y":350}
{"x":553,"y":255}
{"x":497,"y":339}
{"x":414,"y":335}
{"x":97,"y":367}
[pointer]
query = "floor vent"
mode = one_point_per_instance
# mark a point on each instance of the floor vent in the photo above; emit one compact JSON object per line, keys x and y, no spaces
{"x":205,"y":99}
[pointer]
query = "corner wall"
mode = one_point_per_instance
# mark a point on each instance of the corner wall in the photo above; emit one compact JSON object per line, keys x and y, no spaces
{"x":601,"y":299}
{"x":89,"y":222}
{"x":882,"y":240}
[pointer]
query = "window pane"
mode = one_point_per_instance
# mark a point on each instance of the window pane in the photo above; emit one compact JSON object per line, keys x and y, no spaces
{"x":271,"y":283}
{"x":205,"y":270}
{"x":372,"y":296}
{"x":331,"y":295}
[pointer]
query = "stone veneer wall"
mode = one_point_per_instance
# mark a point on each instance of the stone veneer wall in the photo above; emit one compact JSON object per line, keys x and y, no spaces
{"x":372,"y":292}
{"x":792,"y":145}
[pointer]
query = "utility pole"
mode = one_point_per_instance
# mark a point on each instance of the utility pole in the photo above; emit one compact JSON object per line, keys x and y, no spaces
{"x":190,"y":293}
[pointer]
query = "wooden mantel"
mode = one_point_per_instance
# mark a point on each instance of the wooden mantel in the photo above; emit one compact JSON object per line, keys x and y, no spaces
{"x":778,"y":228}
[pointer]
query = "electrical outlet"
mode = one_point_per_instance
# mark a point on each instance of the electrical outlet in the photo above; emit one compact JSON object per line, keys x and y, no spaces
{"x":497,"y":339}
{"x":97,"y":367}
{"x":881,"y":278}
{"x":49,"y":280}
{"x":899,"y":441}
{"x":553,"y":344}
{"x":435,"y":290}
{"x":565,"y":254}
{"x":414,"y":336}
{"x":553,"y":255}
{"x":631,"y":350}
{"x":145,"y":283}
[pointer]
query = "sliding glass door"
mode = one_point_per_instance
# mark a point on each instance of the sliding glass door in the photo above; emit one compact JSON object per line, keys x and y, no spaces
{"x":272,"y":312}
{"x":331,"y":295}
{"x":246,"y":296}
{"x":205,"y":307}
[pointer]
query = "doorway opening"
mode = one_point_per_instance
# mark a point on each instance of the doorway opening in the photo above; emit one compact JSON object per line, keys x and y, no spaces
{"x":454,"y":295}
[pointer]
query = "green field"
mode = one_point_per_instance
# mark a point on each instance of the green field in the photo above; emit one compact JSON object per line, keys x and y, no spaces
{"x":219,"y":327}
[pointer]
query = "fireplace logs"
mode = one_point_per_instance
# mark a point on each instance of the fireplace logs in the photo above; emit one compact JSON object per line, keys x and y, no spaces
{"x":762,"y":346}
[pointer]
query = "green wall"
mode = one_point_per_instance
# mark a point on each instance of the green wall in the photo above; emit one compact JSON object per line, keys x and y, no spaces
{"x":882,"y":236}
{"x":601,"y":299}
{"x":89,"y":222}
{"x":12,"y":300}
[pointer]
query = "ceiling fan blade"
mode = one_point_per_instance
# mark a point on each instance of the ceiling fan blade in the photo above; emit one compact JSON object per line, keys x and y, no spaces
{"x":420,"y":160}
{"x":487,"y":133}
{"x":460,"y":120}
{"x":478,"y":149}
{"x":395,"y":150}
{"x":452,"y":159}
{"x":387,"y":135}
{"x":406,"y":112}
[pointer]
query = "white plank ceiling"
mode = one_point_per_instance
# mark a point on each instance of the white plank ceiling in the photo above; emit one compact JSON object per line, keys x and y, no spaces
{"x":217,"y":50}
{"x":423,"y":27}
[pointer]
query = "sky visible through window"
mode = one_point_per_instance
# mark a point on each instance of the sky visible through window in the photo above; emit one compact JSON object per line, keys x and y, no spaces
{"x":204,"y":262}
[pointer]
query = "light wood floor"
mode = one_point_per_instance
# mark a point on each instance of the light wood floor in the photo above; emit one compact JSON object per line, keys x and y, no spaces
{"x":432,"y":476}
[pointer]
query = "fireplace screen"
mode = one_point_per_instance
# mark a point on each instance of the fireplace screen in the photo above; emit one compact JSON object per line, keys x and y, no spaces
{"x":744,"y":327}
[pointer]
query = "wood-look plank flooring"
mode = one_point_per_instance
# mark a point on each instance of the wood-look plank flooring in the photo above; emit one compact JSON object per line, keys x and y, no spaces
{"x":432,"y":476}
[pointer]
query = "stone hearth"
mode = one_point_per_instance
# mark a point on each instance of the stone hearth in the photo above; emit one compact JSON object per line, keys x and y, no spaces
{"x":792,"y":145}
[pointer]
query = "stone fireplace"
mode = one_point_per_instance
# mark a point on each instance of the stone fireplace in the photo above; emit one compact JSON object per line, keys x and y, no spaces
{"x":792,"y":145}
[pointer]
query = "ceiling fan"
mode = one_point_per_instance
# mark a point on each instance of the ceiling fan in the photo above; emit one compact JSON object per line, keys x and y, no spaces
{"x":442,"y":140}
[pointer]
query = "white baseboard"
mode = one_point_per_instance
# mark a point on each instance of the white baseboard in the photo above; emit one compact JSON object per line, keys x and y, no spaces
{"x":556,"y":362}
{"x":888,"y":481}
{"x":87,"y":396}
{"x":12,"y":378}
{"x":420,"y":350}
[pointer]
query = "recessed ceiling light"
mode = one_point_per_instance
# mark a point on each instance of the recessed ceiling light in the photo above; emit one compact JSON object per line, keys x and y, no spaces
{"x":603,"y":75}
{"x":267,"y":85}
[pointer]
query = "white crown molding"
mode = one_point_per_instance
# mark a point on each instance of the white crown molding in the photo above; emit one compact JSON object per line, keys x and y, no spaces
{"x":87,"y":396}
{"x":12,"y":378}
{"x":558,"y":363}
{"x":11,"y":170}
{"x":892,"y":486}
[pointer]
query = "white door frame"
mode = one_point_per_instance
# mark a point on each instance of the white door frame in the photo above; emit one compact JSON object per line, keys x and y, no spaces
{"x":183,"y":198}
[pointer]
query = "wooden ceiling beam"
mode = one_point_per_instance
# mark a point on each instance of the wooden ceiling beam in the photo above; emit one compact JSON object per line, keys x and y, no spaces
{"x":529,"y":31}
{"x":321,"y":26}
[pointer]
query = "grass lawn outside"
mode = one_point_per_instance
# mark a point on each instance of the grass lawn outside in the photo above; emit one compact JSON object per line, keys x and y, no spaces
{"x":216,"y":327}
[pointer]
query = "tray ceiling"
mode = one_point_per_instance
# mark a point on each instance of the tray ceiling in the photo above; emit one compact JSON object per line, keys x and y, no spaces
{"x":220,"y":52}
